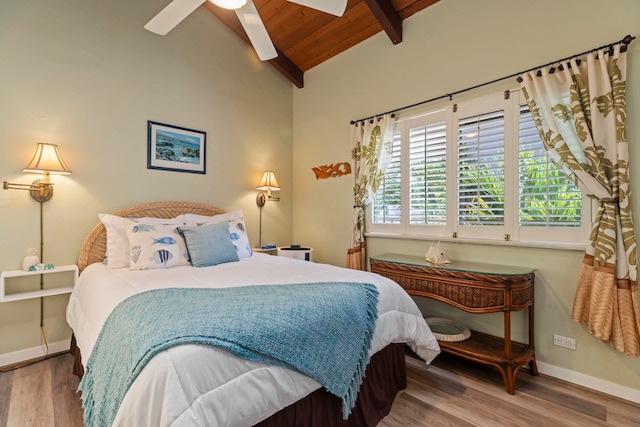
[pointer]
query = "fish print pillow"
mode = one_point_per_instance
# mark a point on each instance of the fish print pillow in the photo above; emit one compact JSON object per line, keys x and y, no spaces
{"x":154,"y":246}
{"x":239,"y":238}
{"x":117,"y":240}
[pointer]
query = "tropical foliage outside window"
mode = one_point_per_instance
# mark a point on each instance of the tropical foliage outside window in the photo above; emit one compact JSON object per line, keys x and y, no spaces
{"x":547,"y":196}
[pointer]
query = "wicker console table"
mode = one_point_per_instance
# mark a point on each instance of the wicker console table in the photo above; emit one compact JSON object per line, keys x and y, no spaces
{"x":474,"y":288}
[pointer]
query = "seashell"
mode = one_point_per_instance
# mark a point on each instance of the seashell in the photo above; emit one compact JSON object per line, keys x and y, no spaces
{"x":436,"y":254}
{"x":29,"y":261}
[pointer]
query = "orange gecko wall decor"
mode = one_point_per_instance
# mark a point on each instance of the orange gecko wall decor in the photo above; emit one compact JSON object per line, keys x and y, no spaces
{"x":332,"y":170}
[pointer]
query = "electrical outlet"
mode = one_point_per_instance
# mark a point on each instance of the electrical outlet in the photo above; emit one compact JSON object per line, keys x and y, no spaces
{"x":565,"y":342}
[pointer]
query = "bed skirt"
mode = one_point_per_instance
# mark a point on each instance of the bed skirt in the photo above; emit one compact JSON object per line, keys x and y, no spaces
{"x":385,"y":376}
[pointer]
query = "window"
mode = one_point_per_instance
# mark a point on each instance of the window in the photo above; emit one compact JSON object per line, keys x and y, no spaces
{"x":480,"y":171}
{"x":477,"y":170}
{"x":427,"y":180}
{"x":386,"y":204}
{"x":547,"y":197}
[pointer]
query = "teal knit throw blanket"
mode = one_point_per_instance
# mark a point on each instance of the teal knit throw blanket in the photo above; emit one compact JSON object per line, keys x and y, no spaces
{"x":322,"y":330}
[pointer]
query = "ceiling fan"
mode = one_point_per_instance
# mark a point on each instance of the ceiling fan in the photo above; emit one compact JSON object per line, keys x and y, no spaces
{"x":247,"y":13}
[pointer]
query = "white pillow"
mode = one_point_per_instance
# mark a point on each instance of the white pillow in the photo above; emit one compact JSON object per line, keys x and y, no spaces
{"x":192,"y":220}
{"x":117,"y":240}
{"x":237,"y":229}
{"x":155,"y":246}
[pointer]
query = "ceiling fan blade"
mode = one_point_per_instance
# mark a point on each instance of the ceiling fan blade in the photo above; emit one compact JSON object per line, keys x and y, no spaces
{"x":333,"y":7}
{"x":257,"y":33}
{"x":172,"y":15}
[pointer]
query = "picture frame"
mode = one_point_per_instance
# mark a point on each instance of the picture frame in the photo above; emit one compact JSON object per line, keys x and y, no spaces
{"x":174,"y":148}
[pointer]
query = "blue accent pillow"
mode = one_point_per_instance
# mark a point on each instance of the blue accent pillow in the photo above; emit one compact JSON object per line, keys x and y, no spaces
{"x":209,"y":244}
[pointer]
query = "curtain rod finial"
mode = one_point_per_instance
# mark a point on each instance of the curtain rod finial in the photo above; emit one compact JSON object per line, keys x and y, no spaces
{"x":628,"y":39}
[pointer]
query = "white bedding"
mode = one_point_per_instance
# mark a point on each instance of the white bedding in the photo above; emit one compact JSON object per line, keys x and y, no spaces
{"x":194,"y":385}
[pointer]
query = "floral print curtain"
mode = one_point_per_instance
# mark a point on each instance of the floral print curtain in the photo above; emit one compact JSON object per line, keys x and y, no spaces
{"x":371,"y":149}
{"x":580,"y":111}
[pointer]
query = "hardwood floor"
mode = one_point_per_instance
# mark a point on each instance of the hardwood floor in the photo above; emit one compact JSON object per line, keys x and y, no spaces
{"x":41,"y":395}
{"x":452,"y":392}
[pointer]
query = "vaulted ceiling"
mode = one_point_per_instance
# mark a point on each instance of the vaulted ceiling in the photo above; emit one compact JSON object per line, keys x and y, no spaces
{"x":305,"y":37}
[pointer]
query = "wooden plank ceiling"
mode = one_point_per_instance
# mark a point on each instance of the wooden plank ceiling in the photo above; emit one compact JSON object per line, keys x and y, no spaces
{"x":305,"y":37}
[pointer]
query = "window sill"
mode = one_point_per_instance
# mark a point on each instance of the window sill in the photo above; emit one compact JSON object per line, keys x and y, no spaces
{"x":561,"y":246}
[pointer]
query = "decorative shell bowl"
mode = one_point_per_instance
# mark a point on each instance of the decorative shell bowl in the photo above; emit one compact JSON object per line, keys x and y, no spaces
{"x":436,"y":254}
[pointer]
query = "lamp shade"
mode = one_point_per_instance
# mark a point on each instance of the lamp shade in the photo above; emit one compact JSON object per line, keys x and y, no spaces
{"x":268,"y":182}
{"x":47,"y":159}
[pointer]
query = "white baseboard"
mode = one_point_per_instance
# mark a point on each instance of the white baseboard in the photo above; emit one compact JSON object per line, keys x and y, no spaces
{"x":593,"y":383}
{"x":33,"y":353}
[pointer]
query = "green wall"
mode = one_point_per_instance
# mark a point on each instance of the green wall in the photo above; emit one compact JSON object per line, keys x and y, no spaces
{"x":450,"y":46}
{"x":85,"y":75}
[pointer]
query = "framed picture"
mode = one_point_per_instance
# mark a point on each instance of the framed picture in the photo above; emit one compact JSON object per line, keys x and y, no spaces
{"x":173,"y":148}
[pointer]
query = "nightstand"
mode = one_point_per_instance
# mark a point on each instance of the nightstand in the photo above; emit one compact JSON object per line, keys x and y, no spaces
{"x":69,"y":269}
{"x":271,"y":251}
{"x":297,"y":252}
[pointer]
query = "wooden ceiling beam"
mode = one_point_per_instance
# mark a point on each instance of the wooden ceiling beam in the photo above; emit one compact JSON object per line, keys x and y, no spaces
{"x":305,"y":37}
{"x":282,"y":63}
{"x":388,"y":18}
{"x":290,"y":70}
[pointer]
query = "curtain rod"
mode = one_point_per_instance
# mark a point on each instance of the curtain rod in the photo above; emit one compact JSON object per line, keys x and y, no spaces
{"x":626,"y":41}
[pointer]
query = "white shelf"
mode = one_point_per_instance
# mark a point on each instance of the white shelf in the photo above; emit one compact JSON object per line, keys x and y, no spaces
{"x":39,"y":293}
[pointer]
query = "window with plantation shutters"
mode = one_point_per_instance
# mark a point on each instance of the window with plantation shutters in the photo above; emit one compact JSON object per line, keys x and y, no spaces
{"x":386,"y":204}
{"x":547,"y":197}
{"x":481,"y":169}
{"x":427,"y":179}
{"x":476,"y":171}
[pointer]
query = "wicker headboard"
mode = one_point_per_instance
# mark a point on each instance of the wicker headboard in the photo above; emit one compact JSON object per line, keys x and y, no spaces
{"x":94,"y":248}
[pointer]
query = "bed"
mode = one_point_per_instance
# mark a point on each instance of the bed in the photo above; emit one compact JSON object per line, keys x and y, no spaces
{"x":202,"y":385}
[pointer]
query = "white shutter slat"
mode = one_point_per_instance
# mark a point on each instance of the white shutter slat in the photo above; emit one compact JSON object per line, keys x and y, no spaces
{"x":481,"y":169}
{"x":386,"y":205}
{"x":427,"y":185}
